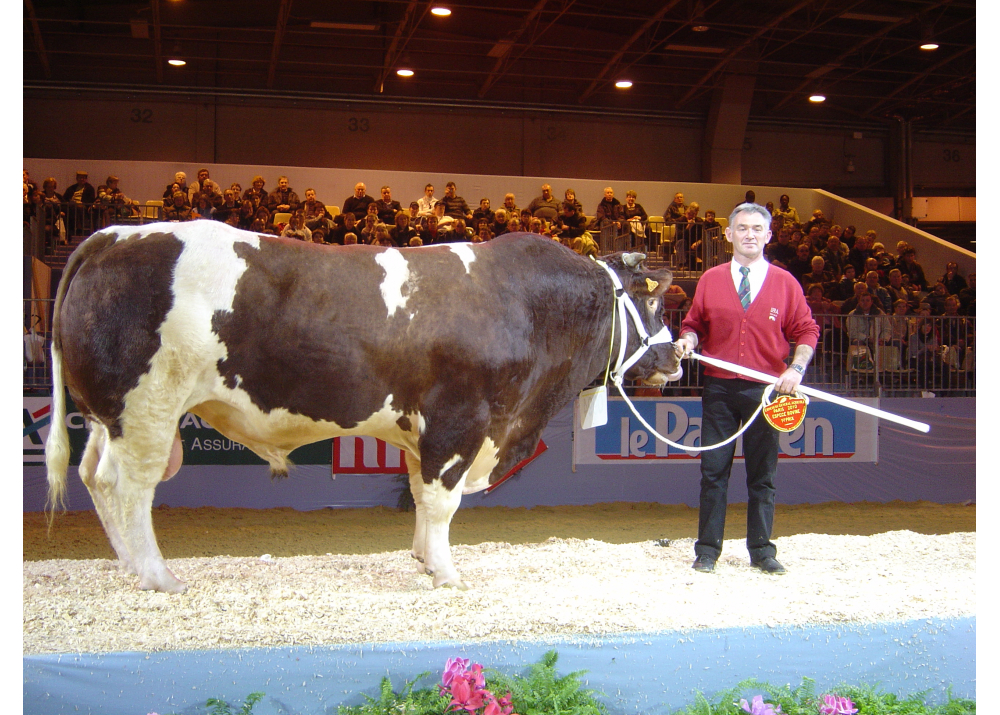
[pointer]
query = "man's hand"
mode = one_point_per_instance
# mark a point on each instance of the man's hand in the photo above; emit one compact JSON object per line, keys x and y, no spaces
{"x":685,"y":345}
{"x":788,"y":381}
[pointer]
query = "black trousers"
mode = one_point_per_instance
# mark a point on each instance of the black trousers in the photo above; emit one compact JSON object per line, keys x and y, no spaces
{"x":726,"y":404}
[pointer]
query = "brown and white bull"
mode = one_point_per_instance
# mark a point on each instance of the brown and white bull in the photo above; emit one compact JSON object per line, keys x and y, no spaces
{"x":458,"y":354}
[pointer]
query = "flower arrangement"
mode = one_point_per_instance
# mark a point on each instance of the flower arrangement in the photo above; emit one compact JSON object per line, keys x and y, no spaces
{"x":836,"y":705}
{"x":758,"y":707}
{"x":466,"y":688}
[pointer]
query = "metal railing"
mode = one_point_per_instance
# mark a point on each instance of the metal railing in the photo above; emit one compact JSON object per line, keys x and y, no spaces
{"x":49,"y":224}
{"x":876,"y":360}
{"x":687,"y":253}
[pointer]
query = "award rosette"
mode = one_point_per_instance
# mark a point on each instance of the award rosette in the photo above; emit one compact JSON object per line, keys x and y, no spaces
{"x":786,"y":412}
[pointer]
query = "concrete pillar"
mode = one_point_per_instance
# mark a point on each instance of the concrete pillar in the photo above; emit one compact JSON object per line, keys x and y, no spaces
{"x":722,"y":146}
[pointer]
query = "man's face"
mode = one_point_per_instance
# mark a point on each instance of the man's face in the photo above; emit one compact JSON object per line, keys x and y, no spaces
{"x":609,"y":193}
{"x":450,"y":191}
{"x":849,"y":272}
{"x":429,"y":191}
{"x":833,"y":244}
{"x":310,"y":195}
{"x":282,"y":183}
{"x":432,"y":222}
{"x":865,"y":301}
{"x":387,"y":194}
{"x":871,"y":279}
{"x":710,"y":216}
{"x":803,"y":251}
{"x":951,"y":306}
{"x":359,"y":191}
{"x":748,"y":234}
{"x":202,"y":175}
{"x":546,"y":192}
{"x":180,"y":177}
{"x":895,"y":279}
{"x":678,"y":198}
{"x":81,"y":178}
{"x":349,"y":219}
{"x":258,"y":184}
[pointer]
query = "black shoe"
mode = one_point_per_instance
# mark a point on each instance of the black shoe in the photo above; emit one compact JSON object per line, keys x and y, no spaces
{"x":704,"y":563}
{"x":769,"y":564}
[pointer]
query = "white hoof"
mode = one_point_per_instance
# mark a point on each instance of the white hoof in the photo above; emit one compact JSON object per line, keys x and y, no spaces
{"x":453,"y":582}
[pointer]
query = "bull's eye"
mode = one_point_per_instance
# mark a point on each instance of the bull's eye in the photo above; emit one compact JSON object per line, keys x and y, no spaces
{"x":652,"y":304}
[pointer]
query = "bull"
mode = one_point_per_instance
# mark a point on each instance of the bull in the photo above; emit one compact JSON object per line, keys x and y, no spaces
{"x":457,"y":354}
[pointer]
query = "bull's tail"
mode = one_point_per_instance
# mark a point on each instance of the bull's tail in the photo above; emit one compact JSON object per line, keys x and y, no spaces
{"x":57,"y":449}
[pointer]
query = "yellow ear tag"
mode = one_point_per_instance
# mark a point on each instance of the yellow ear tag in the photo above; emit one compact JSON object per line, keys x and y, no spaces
{"x":651,"y":284}
{"x":786,"y":412}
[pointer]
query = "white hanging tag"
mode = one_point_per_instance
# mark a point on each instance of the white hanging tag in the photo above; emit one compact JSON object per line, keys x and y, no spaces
{"x":594,"y":407}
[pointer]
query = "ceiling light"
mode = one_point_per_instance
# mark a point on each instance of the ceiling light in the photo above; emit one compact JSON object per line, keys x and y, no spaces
{"x":927,"y":41}
{"x":440,"y":11}
{"x":929,"y":46}
{"x":817,"y":97}
{"x":699,"y":28}
{"x":176,"y":62}
{"x":402,"y":72}
{"x":623,"y":83}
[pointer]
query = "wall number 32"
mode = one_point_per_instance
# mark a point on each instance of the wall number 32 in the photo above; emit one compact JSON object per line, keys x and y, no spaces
{"x":141,"y":116}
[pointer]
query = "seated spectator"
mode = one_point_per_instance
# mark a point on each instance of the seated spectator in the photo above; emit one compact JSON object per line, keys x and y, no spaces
{"x":851,"y":303}
{"x":414,"y":218}
{"x":688,"y":237}
{"x":817,"y":275}
{"x":262,"y":222}
{"x":570,"y":196}
{"x":848,"y":238}
{"x":710,"y":222}
{"x":205,"y":185}
{"x":923,"y":352}
{"x":401,"y":231}
{"x":572,"y":224}
{"x":788,"y":215}
{"x":802,"y":263}
{"x":510,"y":206}
{"x":237,"y":191}
{"x":416,"y":242}
{"x":636,"y":218}
{"x":867,"y":324}
{"x":229,"y":212}
{"x":246,"y":215}
{"x":454,"y":205}
{"x":430,"y":234}
{"x":537,"y":226}
{"x":967,"y":297}
{"x":459,"y":232}
{"x":444,"y":221}
{"x":953,"y":282}
{"x":314,"y":214}
{"x":295,"y":228}
{"x":367,"y":232}
{"x":954,"y":332}
{"x":676,"y":210}
{"x":484,"y":233}
{"x":825,"y":314}
{"x":514,"y":226}
{"x":897,"y":291}
{"x":426,"y":203}
{"x":283,"y":199}
{"x":937,"y":297}
{"x":525,"y":219}
{"x":178,"y":184}
{"x":817,"y":220}
{"x":499,"y":225}
{"x":116,"y":202}
{"x":55,"y":217}
{"x":358,"y":203}
{"x":909,"y":267}
{"x":483,"y":212}
{"x":545,"y":206}
{"x":350,"y":239}
{"x":613,"y":213}
{"x":372,"y":211}
{"x":835,"y":256}
{"x":883,"y":261}
{"x":80,"y":198}
{"x":387,"y":208}
{"x":859,"y":254}
{"x":380,"y":236}
{"x":345,"y":223}
{"x":770,"y":208}
{"x":178,"y":210}
{"x":781,"y":252}
{"x":256,"y":195}
{"x":202,"y":207}
{"x":881,"y":296}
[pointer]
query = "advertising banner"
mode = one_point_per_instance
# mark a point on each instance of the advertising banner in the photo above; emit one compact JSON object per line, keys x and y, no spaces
{"x":829,"y":433}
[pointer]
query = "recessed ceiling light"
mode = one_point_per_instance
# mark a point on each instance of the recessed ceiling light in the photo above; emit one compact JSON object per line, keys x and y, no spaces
{"x":817,"y":97}
{"x":623,"y":83}
{"x":440,"y":11}
{"x":404,"y":72}
{"x":176,"y":62}
{"x":700,"y":28}
{"x":929,"y":46}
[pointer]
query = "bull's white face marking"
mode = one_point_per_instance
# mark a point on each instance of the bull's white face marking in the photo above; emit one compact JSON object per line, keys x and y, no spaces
{"x":465,"y":252}
{"x":449,"y":464}
{"x":397,"y":275}
{"x":477,"y":476}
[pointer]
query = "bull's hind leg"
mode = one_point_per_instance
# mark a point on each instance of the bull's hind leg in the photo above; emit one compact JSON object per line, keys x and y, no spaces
{"x":88,"y":474}
{"x":125,"y":484}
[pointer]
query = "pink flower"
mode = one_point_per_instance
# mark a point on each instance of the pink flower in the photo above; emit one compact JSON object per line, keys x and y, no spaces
{"x":759,"y":707}
{"x":453,"y":668}
{"x":837,"y":705}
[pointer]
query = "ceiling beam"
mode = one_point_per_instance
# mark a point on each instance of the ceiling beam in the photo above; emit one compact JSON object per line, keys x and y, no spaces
{"x":154,"y":6}
{"x":505,"y":47}
{"x":412,"y":18}
{"x":614,"y":64}
{"x":279,"y":34}
{"x":735,"y":52}
{"x":36,"y":33}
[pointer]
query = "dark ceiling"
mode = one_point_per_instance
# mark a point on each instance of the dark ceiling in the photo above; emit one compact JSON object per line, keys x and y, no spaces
{"x":557,"y":54}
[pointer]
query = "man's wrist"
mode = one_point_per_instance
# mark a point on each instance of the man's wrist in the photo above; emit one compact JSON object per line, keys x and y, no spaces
{"x":798,"y":368}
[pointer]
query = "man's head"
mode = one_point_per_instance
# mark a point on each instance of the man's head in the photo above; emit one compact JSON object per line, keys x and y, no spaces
{"x":709,"y":215}
{"x":817,"y":264}
{"x":450,"y":189}
{"x":899,"y":306}
{"x":429,"y":190}
{"x":783,"y":201}
{"x":871,"y":279}
{"x":568,"y":208}
{"x":508,"y":200}
{"x":609,"y":193}
{"x":181,"y":178}
{"x":951,"y":305}
{"x":230,"y":196}
{"x":860,"y":288}
{"x":833,"y":243}
{"x":818,"y":214}
{"x":749,"y":232}
{"x":836,"y":230}
{"x":81,"y":177}
{"x":802,"y":252}
{"x":500,"y":216}
{"x":372,"y":209}
{"x":310,"y":195}
{"x":895,"y":278}
{"x":414,"y":208}
{"x":386,"y":194}
{"x":359,"y":190}
{"x":484,"y":204}
{"x":871,"y":264}
{"x":940,"y":289}
{"x":432,"y":222}
{"x":202,"y":175}
{"x":865,"y":301}
{"x":815,"y":291}
{"x":679,"y":198}
{"x":546,"y":192}
{"x":283,"y":183}
{"x":439,"y":210}
{"x":849,"y":271}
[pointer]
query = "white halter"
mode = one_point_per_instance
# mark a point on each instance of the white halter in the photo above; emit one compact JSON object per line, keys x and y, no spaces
{"x":625,"y":305}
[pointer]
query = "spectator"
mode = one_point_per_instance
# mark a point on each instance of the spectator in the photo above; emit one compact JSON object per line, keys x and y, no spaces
{"x":459,"y":231}
{"x":817,"y":275}
{"x":402,"y":231}
{"x":345,"y":224}
{"x":205,"y":185}
{"x":525,"y":219}
{"x":881,"y":296}
{"x":817,"y":220}
{"x":416,"y":242}
{"x":687,"y":238}
{"x":936,"y":298}
{"x":484,"y":234}
{"x":636,"y":218}
{"x":585,"y":246}
{"x":835,"y":256}
{"x":454,"y":205}
{"x":256,"y":195}
{"x":537,"y":226}
{"x":848,"y":238}
{"x":570,"y":196}
{"x":29,"y":182}
{"x":296,"y":228}
{"x":883,"y":261}
{"x":545,"y":206}
{"x":380,"y":236}
{"x":510,"y":206}
{"x":367,"y":232}
{"x":229,"y":212}
{"x":372,"y":211}
{"x":954,"y":332}
{"x":117,"y":203}
{"x":179,"y":209}
{"x":350,"y":239}
{"x":710,"y":221}
{"x":824,"y":312}
{"x":80,"y":198}
{"x":483,"y":212}
{"x":202,"y":207}
{"x":444,"y":222}
{"x":858,"y":255}
{"x":572,"y":224}
{"x":430,"y":234}
{"x":262,"y":222}
{"x":237,"y":191}
{"x":923,"y":352}
{"x":427,"y":202}
{"x":55,"y":217}
{"x":967,"y":297}
{"x":613,"y":212}
{"x":499,"y":225}
{"x":283,"y":199}
{"x":178,"y":184}
{"x":897,"y":291}
{"x":909,"y":267}
{"x":953,"y":282}
{"x":788,"y":215}
{"x":867,"y":324}
{"x":802,"y":263}
{"x":844,"y":289}
{"x":414,"y":217}
{"x":676,"y":210}
{"x":781,"y":252}
{"x":514,"y":225}
{"x":246,"y":215}
{"x":851,"y":303}
{"x":314,"y":214}
{"x":358,"y":203}
{"x":387,"y":208}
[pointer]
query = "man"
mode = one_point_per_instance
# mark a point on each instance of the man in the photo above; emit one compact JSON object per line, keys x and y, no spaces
{"x":867,"y":324}
{"x":358,"y":203}
{"x":676,"y":210}
{"x":314,"y":215}
{"x":781,"y":251}
{"x":788,"y":215}
{"x":746,"y":313}
{"x":882,"y":297}
{"x":545,"y":206}
{"x":282,"y":199}
{"x":835,"y":256}
{"x":180,"y":179}
{"x":387,"y":208}
{"x":345,"y":224}
{"x":427,"y":202}
{"x":81,"y":197}
{"x":205,"y":185}
{"x":455,"y":205}
{"x":897,"y":291}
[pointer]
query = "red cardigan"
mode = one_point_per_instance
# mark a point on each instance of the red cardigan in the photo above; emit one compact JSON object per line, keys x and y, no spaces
{"x":757,"y":338}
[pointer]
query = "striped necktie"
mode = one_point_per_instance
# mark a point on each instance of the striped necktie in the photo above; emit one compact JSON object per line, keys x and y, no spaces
{"x":744,"y":291}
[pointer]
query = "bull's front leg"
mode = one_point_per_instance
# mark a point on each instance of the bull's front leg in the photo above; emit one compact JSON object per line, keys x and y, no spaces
{"x":420,"y":529}
{"x":440,"y":505}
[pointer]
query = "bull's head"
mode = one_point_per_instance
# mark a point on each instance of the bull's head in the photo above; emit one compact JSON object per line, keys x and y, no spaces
{"x":660,"y":363}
